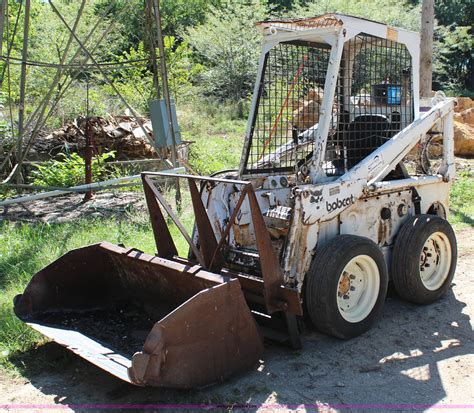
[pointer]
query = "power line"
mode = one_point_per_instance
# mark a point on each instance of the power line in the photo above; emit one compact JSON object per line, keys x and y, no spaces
{"x":18,"y":61}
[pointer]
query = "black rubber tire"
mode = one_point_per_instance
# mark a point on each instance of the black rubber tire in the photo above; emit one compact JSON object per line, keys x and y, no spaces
{"x":321,"y":285}
{"x":405,"y":268}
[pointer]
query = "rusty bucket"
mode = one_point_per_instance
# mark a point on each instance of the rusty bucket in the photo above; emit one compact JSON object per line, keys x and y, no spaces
{"x":163,"y":320}
{"x":147,"y":320}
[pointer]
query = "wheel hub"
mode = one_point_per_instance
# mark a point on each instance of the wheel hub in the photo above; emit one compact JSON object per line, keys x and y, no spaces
{"x":358,"y":288}
{"x":344,"y":285}
{"x":435,"y":261}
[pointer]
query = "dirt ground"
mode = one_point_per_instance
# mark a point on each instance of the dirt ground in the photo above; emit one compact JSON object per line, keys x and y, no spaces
{"x":70,"y":207}
{"x":415,"y":358}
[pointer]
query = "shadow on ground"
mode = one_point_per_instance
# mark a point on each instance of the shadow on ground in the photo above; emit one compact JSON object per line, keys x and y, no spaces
{"x":397,"y":362}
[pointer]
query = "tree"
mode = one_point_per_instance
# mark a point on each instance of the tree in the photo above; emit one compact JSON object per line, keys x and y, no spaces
{"x":426,"y":52}
{"x":394,"y":12}
{"x":228,"y":46}
{"x":454,"y":56}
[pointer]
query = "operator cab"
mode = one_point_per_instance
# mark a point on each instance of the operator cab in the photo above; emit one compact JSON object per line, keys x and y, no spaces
{"x":298,"y":107}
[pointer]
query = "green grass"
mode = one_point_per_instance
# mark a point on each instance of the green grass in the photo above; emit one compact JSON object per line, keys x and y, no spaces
{"x":218,"y":138}
{"x":462,"y":201}
{"x":26,"y":248}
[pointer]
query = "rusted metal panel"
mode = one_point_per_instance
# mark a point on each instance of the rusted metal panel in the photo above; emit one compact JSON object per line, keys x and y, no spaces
{"x":212,"y":257}
{"x":172,"y":215}
{"x":200,"y":342}
{"x":209,"y":254}
{"x":163,"y":239}
{"x":269,"y":262}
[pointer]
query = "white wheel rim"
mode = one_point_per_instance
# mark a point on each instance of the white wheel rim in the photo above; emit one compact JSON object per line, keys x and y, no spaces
{"x":435,"y":261}
{"x":358,"y":288}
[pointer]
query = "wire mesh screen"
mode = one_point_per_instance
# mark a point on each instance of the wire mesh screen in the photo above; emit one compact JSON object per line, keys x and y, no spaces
{"x":374,"y":100}
{"x":289,"y":102}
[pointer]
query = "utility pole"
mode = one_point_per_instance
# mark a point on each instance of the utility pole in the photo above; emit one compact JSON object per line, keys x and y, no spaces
{"x":426,"y":52}
{"x":21,"y":109}
{"x":166,"y":95}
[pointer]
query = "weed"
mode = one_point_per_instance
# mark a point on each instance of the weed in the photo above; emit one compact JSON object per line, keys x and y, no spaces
{"x":69,"y":170}
{"x":217,"y":138}
{"x":462,"y":200}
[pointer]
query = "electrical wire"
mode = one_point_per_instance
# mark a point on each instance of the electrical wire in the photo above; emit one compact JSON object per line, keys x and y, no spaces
{"x":18,"y":61}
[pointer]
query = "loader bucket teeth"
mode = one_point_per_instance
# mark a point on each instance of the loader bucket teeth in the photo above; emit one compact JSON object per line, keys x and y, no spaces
{"x":147,"y":320}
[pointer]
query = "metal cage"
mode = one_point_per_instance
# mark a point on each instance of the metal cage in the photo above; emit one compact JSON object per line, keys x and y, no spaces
{"x":373,"y":101}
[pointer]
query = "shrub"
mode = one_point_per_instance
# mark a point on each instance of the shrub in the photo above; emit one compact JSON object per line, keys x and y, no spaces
{"x":69,"y":170}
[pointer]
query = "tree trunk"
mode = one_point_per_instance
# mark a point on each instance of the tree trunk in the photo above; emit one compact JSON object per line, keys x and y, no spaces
{"x":426,"y":52}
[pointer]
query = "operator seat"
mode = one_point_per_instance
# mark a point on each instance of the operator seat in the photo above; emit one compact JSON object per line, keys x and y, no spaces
{"x":364,"y":135}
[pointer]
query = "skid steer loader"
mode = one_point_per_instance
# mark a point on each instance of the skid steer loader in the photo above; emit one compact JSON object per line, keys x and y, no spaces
{"x":343,"y":185}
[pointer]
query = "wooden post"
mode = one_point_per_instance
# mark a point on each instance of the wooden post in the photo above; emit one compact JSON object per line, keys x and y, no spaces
{"x":3,"y":7}
{"x":150,"y":44}
{"x":3,"y":15}
{"x":89,"y":146}
{"x":21,"y":108}
{"x":426,"y":52}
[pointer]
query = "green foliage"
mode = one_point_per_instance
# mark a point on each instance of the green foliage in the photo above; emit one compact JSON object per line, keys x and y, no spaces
{"x":228,"y":47}
{"x":4,"y":125}
{"x":181,"y":69}
{"x":217,"y":138}
{"x":462,"y":199}
{"x":453,"y":54}
{"x":179,"y":15}
{"x":47,"y":42}
{"x":70,"y":170}
{"x":394,"y":12}
{"x":454,"y":58}
{"x":460,"y":12}
{"x":135,"y":81}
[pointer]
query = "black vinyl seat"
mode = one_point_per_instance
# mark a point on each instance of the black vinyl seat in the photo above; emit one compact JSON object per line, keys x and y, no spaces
{"x":364,"y":135}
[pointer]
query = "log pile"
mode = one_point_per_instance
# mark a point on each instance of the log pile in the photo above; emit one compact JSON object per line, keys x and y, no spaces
{"x":464,"y":128}
{"x":121,"y":134}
